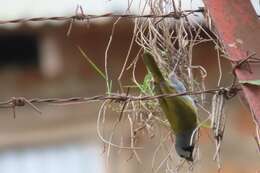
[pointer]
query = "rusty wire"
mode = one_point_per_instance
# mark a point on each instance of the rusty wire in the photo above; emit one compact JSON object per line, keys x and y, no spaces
{"x":21,"y":101}
{"x":82,"y":16}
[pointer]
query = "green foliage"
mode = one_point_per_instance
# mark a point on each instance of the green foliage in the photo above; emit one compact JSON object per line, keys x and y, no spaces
{"x":146,"y":87}
{"x":252,"y":82}
{"x":109,"y":86}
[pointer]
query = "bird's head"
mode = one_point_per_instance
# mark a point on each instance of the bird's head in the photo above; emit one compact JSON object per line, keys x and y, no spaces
{"x":183,"y":147}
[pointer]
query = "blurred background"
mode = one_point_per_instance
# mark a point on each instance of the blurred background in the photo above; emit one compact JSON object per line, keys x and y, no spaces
{"x":39,"y":60}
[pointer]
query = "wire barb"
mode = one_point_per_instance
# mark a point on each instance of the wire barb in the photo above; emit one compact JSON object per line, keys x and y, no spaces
{"x":244,"y":62}
{"x":81,"y":16}
{"x":125,"y":98}
{"x":18,"y":102}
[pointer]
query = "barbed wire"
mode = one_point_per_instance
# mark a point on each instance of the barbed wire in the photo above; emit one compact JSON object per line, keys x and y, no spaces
{"x":81,"y":16}
{"x":22,"y":101}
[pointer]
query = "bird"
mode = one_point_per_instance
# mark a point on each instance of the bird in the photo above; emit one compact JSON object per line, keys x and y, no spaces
{"x":180,"y":111}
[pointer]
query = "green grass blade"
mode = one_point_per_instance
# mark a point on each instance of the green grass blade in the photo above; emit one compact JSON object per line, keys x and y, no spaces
{"x":93,"y":65}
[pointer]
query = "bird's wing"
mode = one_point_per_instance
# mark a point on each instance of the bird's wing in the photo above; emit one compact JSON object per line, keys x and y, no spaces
{"x":179,"y":110}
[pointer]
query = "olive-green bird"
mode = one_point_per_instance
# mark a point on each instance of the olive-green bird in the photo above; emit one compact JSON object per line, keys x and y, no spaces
{"x":180,"y":111}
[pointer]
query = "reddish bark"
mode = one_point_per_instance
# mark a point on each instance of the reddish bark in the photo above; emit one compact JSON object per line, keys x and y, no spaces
{"x":238,"y":28}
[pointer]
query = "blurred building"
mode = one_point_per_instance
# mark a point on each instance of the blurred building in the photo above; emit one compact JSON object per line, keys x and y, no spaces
{"x":41,"y":61}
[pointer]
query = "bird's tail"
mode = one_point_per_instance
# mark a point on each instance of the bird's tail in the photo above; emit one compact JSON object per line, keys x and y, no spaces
{"x":153,"y":67}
